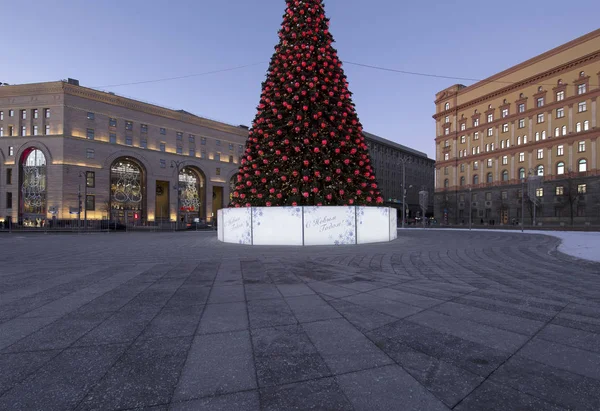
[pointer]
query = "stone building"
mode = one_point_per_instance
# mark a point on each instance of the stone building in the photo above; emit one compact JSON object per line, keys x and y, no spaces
{"x":536,"y":119}
{"x":133,"y":162}
{"x":59,"y":141}
{"x":386,"y":156}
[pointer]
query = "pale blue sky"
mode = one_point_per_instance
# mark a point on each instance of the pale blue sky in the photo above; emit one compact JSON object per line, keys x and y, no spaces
{"x":113,"y":42}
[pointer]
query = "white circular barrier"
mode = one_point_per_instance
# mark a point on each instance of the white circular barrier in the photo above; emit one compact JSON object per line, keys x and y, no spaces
{"x":307,"y":225}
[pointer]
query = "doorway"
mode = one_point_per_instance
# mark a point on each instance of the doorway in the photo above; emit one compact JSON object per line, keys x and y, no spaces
{"x":217,"y":196}
{"x":162,"y":202}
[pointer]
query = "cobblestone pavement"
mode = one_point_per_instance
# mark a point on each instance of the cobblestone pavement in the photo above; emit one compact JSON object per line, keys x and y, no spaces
{"x":435,"y":320}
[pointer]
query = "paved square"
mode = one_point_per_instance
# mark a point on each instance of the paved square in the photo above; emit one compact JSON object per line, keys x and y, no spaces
{"x":177,"y":321}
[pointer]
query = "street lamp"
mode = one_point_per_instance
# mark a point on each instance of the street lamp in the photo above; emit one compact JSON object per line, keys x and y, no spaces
{"x":470,"y":208}
{"x":178,"y":165}
{"x":403,"y":159}
{"x":84,"y":175}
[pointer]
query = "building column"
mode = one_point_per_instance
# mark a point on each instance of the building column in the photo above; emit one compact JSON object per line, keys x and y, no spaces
{"x":512,"y":167}
{"x":593,"y":167}
{"x":549,"y":124}
{"x":209,"y":200}
{"x":570,"y":165}
{"x":550,"y":168}
{"x":512,"y":133}
{"x":594,"y":113}
{"x":530,"y":135}
{"x":570,"y":130}
{"x":496,"y":177}
{"x":151,"y":198}
{"x":497,"y":145}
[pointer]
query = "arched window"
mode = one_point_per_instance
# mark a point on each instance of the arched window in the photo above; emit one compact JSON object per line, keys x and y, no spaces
{"x":502,"y":144}
{"x":447,"y":106}
{"x":582,"y":74}
{"x":524,"y":139}
{"x":192,"y":189}
{"x":544,"y":135}
{"x":540,"y":170}
{"x":489,"y":107}
{"x":560,"y":168}
{"x":475,"y":179}
{"x":557,"y":132}
{"x":462,"y":181}
{"x":559,"y":82}
{"x":507,"y":143}
{"x":33,"y":186}
{"x":578,"y":127}
{"x":540,"y":88}
{"x":521,"y":173}
{"x":446,"y":183}
{"x":505,"y":175}
{"x":519,"y":140}
{"x":564,"y":130}
{"x":127,"y":191}
{"x":487,"y":147}
{"x":521,"y":95}
{"x":490,"y":178}
{"x":586,"y":125}
{"x":582,"y":165}
{"x":504,"y":101}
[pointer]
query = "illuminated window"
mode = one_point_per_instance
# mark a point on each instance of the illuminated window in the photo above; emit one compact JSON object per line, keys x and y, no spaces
{"x":560,"y":190}
{"x":582,"y":165}
{"x":560,"y":96}
{"x":560,"y":112}
{"x":581,"y":107}
{"x":560,"y":150}
{"x":90,"y":134}
{"x":521,"y":157}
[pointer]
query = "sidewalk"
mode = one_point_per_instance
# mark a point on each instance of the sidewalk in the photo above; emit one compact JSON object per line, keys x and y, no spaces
{"x":584,"y":245}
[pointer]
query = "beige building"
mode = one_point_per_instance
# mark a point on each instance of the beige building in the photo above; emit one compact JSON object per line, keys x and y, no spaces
{"x":59,"y":140}
{"x":539,"y":118}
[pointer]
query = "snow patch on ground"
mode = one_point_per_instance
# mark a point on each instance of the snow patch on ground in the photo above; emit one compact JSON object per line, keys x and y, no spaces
{"x":584,"y":245}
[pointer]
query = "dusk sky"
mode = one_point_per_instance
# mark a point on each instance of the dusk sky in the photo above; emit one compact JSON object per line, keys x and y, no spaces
{"x":113,"y":42}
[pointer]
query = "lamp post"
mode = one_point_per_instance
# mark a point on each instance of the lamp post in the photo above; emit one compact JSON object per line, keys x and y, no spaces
{"x":470,"y":208}
{"x":84,"y":175}
{"x":178,"y":165}
{"x":403,"y":159}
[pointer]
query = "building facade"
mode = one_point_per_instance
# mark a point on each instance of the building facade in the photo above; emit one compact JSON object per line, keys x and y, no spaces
{"x":537,"y":121}
{"x":125,"y":160}
{"x":387,"y":158}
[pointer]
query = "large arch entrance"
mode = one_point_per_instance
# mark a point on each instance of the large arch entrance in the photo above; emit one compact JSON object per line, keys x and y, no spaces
{"x":192,"y":195}
{"x":33,"y":188}
{"x":127,"y":191}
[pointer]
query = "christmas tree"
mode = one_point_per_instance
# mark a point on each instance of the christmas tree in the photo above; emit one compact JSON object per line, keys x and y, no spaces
{"x":306,"y":145}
